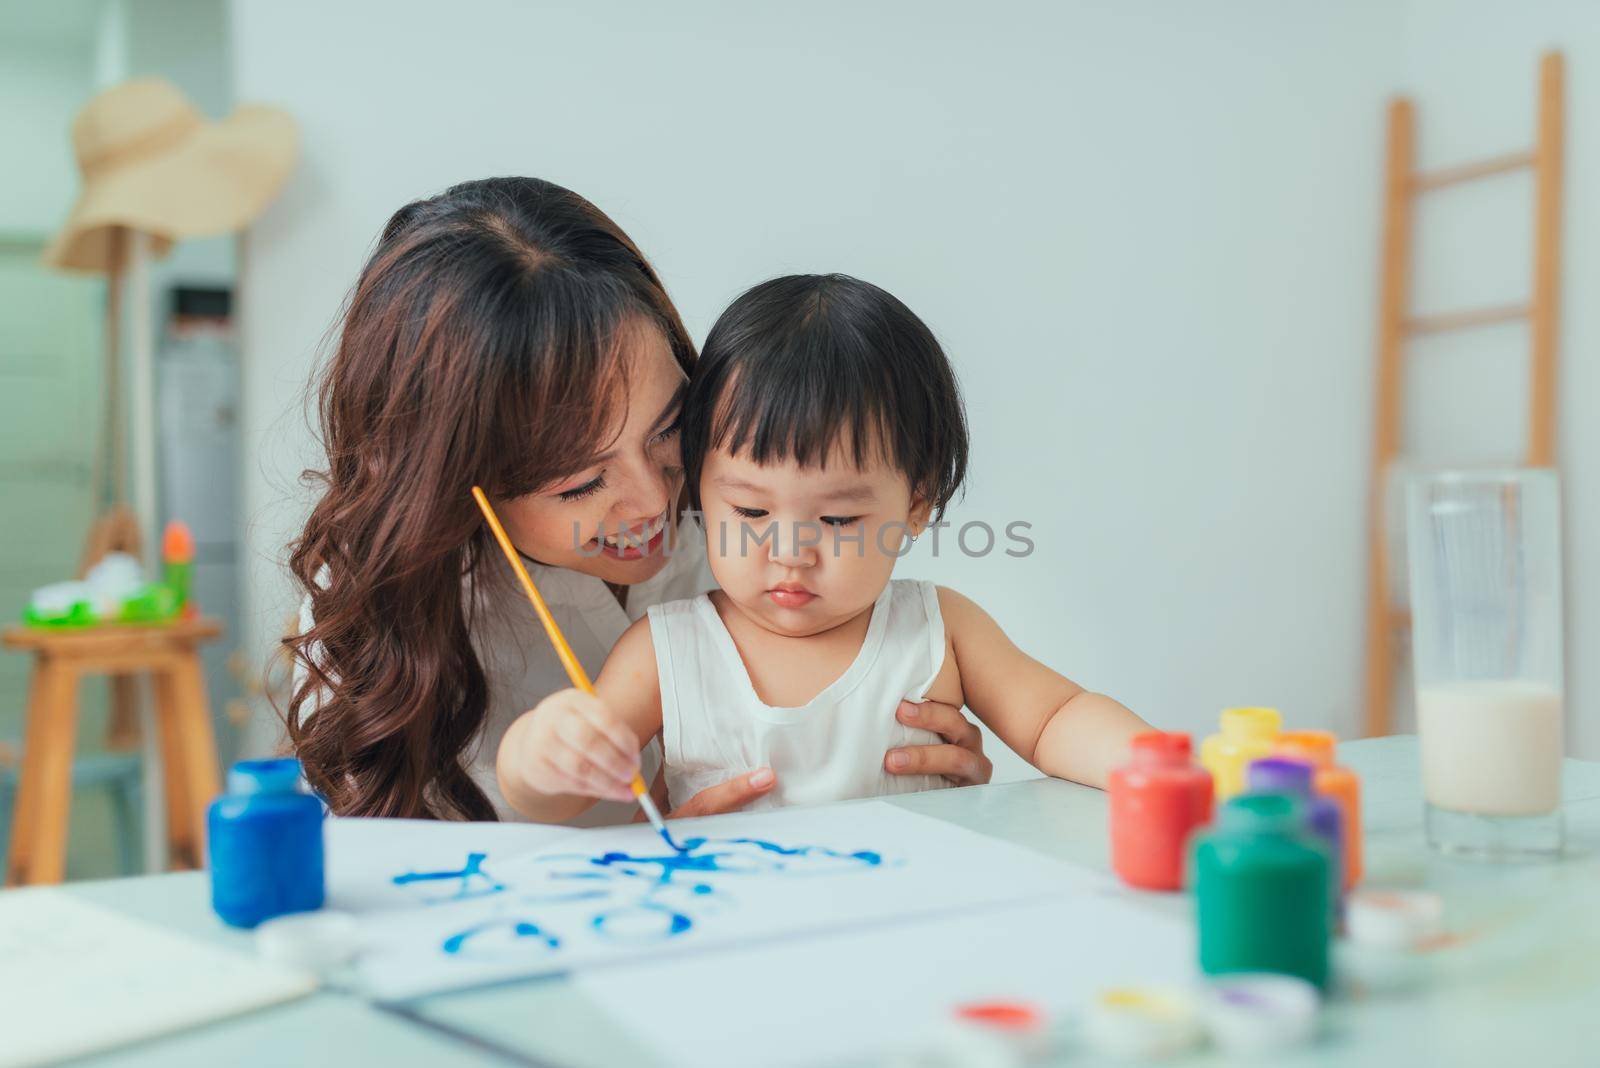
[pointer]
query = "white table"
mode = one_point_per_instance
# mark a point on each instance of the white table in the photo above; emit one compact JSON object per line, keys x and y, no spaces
{"x":1526,"y":994}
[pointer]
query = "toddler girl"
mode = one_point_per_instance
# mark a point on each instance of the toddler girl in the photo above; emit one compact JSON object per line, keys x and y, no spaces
{"x":822,"y":430}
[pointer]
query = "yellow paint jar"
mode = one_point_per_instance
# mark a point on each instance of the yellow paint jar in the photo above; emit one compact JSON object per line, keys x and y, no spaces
{"x":1246,"y":734}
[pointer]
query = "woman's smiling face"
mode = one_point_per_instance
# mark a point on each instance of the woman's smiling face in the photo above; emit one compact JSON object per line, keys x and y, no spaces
{"x":613,"y":519}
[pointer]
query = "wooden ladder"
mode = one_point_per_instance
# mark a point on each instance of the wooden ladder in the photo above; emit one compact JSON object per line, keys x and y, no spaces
{"x":1402,"y":185}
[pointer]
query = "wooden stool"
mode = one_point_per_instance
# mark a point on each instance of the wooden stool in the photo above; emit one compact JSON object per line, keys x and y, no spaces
{"x":169,"y":653}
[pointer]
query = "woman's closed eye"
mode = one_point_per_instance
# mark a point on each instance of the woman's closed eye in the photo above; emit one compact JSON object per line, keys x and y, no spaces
{"x":669,"y":431}
{"x":598,"y":482}
{"x":749,"y":513}
{"x":588,"y":489}
{"x":841,"y":520}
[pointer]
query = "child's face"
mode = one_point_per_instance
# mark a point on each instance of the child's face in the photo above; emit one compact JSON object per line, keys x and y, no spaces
{"x":801,"y":550}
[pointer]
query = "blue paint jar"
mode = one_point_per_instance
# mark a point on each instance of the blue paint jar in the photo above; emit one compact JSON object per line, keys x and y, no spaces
{"x":265,"y":841}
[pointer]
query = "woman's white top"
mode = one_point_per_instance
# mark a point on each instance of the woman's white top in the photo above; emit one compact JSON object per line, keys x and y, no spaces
{"x":713,"y":724}
{"x":522,"y":667}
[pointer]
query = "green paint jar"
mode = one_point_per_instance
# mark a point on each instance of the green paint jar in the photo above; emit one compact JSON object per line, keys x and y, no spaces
{"x":1261,"y":890}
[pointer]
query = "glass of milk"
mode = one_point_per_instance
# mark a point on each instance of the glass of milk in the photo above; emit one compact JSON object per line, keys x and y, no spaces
{"x":1485,"y":563}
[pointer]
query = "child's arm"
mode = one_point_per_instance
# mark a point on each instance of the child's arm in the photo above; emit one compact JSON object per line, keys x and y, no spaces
{"x":573,"y":748}
{"x":1055,"y":724}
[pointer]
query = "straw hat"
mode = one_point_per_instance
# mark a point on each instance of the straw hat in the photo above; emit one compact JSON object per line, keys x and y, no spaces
{"x":150,"y":161}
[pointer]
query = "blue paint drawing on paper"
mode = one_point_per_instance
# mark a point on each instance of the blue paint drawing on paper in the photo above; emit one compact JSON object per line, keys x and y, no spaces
{"x":664,"y":908}
{"x":471,"y":880}
{"x":514,"y":929}
{"x":623,"y":897}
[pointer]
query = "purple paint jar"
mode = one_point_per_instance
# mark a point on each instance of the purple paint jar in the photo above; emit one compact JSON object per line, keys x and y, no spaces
{"x":1285,"y":775}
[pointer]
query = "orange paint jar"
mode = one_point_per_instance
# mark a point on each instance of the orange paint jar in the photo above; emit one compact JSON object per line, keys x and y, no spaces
{"x":1332,"y":781}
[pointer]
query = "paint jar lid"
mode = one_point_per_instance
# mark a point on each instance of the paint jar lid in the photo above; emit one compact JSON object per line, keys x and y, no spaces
{"x":1009,"y":1017}
{"x":1283,"y":775}
{"x":1251,"y":722}
{"x":1161,"y":747}
{"x":996,"y":1032}
{"x":1393,"y":919}
{"x":1259,"y":1013}
{"x":316,"y":942}
{"x":1315,"y":746}
{"x":1263,"y":812}
{"x":1142,"y":1022}
{"x":961,"y":1043}
{"x":279,"y":776}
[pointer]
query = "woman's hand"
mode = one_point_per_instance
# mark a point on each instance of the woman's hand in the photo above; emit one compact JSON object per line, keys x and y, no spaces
{"x":570,"y":744}
{"x":958,"y":758}
{"x":727,"y":796}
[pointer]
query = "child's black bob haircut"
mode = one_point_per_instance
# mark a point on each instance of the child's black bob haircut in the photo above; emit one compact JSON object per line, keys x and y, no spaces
{"x":799,"y":362}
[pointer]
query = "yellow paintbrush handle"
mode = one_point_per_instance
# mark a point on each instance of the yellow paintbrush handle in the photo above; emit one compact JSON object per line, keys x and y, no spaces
{"x":569,"y":660}
{"x":575,"y":672}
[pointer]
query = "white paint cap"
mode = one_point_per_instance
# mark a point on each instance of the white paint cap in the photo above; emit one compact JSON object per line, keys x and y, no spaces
{"x":1260,"y":1013}
{"x":311,"y":941}
{"x":1392,"y":919}
{"x":1142,"y":1022}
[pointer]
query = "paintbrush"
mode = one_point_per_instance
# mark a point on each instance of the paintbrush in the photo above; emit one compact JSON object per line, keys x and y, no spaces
{"x":575,"y":672}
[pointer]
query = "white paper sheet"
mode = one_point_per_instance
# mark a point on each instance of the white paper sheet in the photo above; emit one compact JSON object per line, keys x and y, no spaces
{"x":75,"y":978}
{"x":364,"y":854}
{"x":859,"y":997}
{"x":614,"y":894}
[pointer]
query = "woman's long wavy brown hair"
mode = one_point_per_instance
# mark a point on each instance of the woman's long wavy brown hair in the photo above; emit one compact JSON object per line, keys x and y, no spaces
{"x":481,"y":345}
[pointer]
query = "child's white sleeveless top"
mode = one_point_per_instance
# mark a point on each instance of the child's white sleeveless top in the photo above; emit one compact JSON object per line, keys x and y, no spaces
{"x":714,"y":726}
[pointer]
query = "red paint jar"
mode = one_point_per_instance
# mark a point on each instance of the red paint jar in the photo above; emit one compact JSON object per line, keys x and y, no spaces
{"x":1158,"y":800}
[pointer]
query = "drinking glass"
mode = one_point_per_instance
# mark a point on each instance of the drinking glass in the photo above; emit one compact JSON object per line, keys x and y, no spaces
{"x":1485,"y":570}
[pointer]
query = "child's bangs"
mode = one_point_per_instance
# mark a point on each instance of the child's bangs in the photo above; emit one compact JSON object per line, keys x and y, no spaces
{"x":814,"y":421}
{"x":826,"y":369}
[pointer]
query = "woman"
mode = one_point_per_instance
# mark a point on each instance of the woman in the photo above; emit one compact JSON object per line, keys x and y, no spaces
{"x":507,"y":334}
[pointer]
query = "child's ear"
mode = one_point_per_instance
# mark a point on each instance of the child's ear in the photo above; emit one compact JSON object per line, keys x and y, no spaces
{"x":921,"y":509}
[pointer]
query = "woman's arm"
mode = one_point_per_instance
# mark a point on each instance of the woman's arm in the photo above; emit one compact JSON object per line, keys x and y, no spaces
{"x":1055,"y":724}
{"x":959,"y":758}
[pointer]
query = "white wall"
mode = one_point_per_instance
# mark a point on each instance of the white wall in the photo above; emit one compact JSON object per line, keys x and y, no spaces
{"x":41,"y":85}
{"x":1146,"y":234}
